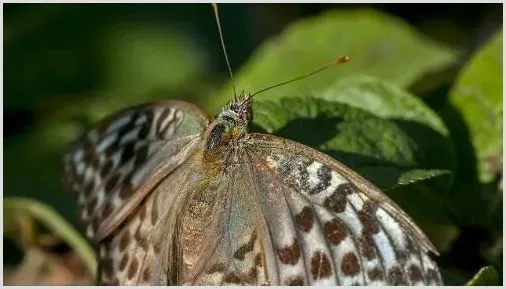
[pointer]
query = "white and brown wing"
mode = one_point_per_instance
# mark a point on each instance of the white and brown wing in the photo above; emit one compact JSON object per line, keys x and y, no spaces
{"x":144,"y":249}
{"x":334,"y":226}
{"x":115,"y":165}
{"x":285,"y":214}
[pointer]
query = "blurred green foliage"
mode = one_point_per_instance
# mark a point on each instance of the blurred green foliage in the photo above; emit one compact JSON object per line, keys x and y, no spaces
{"x":477,"y":95}
{"x":436,"y":151}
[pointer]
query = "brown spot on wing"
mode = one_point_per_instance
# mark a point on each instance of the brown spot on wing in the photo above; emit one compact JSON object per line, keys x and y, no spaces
{"x":350,"y":265}
{"x":396,"y":276}
{"x":375,"y":274}
{"x":415,"y":274}
{"x":218,"y":267}
{"x":370,"y":227}
{"x":251,"y":276}
{"x":258,"y":260}
{"x":366,"y":216}
{"x":132,"y":269}
{"x":336,"y":202}
{"x":295,"y":281}
{"x":345,"y":189}
{"x":305,"y":219}
{"x":368,"y":247}
{"x":335,"y":231}
{"x":320,"y":266}
{"x":232,"y":278}
{"x":123,"y":262}
{"x":291,"y":254}
{"x":143,"y":243}
{"x":146,"y":275}
{"x":244,"y":249}
{"x":157,"y":247}
{"x":124,"y":241}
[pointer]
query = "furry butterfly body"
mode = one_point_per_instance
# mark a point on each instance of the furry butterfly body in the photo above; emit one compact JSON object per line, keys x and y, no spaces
{"x":171,"y":196}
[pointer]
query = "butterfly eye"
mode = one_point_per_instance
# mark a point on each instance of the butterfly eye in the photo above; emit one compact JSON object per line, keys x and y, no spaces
{"x":217,"y":136}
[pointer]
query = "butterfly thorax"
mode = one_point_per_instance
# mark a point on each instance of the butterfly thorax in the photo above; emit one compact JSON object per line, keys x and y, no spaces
{"x":228,"y":128}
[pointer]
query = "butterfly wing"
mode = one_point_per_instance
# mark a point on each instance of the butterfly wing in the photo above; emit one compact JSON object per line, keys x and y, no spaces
{"x":144,"y":251}
{"x":335,"y":225}
{"x":115,"y":165}
{"x":282,"y":214}
{"x":290,"y":215}
{"x":171,"y":234}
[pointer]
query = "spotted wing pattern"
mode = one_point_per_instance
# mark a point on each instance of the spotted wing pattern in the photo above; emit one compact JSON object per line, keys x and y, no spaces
{"x":283,"y":214}
{"x":342,"y":233}
{"x":138,"y":253}
{"x":294,"y":216}
{"x":110,"y":162}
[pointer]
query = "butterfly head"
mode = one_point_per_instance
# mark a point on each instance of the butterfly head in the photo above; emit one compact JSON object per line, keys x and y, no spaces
{"x":231,"y":123}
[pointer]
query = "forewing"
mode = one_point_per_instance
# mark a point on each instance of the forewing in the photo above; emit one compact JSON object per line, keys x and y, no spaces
{"x":330,"y":226}
{"x":144,"y":251}
{"x":108,"y":165}
{"x":172,"y":234}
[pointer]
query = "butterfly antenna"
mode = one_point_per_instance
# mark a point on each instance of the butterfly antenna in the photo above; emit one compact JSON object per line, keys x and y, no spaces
{"x":339,"y":60}
{"x":217,"y":17}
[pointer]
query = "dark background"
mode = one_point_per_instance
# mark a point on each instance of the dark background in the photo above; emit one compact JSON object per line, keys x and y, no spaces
{"x":58,"y":55}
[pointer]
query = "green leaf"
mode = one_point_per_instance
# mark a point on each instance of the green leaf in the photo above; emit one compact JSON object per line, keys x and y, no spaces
{"x":477,"y":97}
{"x":427,"y":189}
{"x":487,"y":276}
{"x":385,"y":100}
{"x":333,"y":126}
{"x":378,"y":44}
{"x":375,"y":147}
{"x":55,"y":223}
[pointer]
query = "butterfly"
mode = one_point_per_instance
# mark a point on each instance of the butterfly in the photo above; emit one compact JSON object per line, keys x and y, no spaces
{"x":171,"y":196}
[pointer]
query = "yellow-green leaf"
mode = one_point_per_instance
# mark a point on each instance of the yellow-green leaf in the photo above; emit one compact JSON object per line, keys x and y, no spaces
{"x":487,"y":276}
{"x":477,"y":96}
{"x":378,"y":44}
